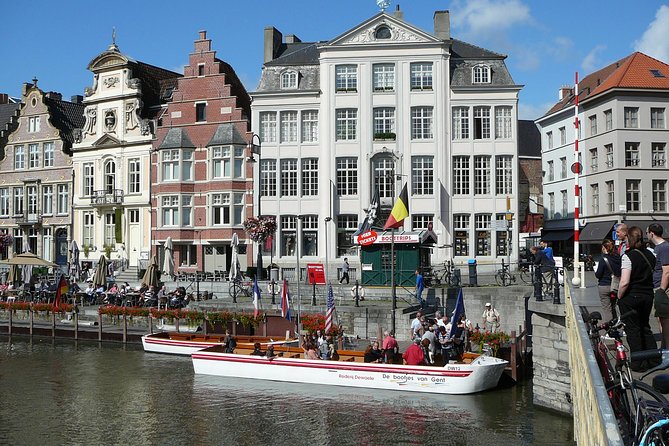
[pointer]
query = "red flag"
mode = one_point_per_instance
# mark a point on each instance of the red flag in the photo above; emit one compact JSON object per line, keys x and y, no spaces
{"x":268,"y":243}
{"x":62,"y":289}
{"x":400,"y":211}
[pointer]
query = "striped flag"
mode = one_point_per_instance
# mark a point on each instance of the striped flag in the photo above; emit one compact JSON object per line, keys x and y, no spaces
{"x":62,"y":290}
{"x":400,"y":211}
{"x":331,"y":308}
{"x":256,"y":297}
{"x":457,"y":314}
{"x":285,"y":300}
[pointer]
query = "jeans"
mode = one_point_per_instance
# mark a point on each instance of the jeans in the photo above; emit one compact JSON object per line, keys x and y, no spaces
{"x":419,"y":295}
{"x":637,"y":326}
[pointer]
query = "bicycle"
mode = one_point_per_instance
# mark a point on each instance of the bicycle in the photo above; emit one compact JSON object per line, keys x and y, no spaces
{"x":503,"y":277}
{"x":238,"y":288}
{"x":636,"y":405}
{"x":444,"y":275}
{"x":526,"y":272}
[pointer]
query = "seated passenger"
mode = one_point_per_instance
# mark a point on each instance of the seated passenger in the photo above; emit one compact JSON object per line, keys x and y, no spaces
{"x":414,"y":354}
{"x":373,"y":353}
{"x":256,"y":350}
{"x":270,"y":351}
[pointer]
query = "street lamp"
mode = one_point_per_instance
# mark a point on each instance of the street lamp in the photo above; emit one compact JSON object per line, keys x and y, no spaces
{"x":254,"y":148}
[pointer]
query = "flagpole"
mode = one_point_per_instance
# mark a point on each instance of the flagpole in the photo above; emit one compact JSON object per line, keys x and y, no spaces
{"x":393,"y":290}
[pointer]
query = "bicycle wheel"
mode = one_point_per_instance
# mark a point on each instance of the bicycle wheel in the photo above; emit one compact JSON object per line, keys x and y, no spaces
{"x":526,"y":277}
{"x":634,"y":406}
{"x":235,"y":290}
{"x":502,"y":278}
{"x":453,"y":280}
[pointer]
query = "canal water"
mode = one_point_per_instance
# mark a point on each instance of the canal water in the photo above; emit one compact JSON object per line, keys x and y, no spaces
{"x":60,"y":392}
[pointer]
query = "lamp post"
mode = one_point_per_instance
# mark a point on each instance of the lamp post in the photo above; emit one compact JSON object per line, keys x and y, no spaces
{"x":256,"y":149}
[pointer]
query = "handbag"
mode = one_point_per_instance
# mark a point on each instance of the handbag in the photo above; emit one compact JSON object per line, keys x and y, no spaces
{"x":615,"y":280}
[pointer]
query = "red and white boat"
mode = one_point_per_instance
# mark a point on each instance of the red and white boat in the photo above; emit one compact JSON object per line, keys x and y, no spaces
{"x":475,"y":374}
{"x":186,"y":344}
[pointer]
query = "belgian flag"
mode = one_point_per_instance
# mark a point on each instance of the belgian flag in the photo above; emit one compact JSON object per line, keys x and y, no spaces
{"x":61,"y":291}
{"x":400,"y":211}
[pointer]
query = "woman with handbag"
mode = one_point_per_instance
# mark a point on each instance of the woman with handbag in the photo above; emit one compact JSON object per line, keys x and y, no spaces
{"x":608,"y":274}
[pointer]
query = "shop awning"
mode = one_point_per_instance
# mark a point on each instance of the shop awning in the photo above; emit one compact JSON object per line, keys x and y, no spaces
{"x":596,"y":231}
{"x":557,"y":235}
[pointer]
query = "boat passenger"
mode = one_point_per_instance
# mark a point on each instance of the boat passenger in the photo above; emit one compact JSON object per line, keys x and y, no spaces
{"x":373,"y":353}
{"x":390,"y":348}
{"x":256,"y":350}
{"x":229,"y":342}
{"x":310,"y":351}
{"x":432,"y":342}
{"x":324,"y":350}
{"x":414,"y":354}
{"x":417,"y":326}
{"x":270,"y":351}
{"x":444,"y":341}
{"x":425,"y":345}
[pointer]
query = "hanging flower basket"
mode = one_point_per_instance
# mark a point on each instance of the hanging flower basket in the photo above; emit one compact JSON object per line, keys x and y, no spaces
{"x":259,"y":228}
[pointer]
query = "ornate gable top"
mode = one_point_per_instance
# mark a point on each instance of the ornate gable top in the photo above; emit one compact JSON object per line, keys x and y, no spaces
{"x":383,"y":28}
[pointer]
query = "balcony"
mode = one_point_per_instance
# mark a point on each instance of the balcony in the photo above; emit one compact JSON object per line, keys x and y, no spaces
{"x":29,"y":219}
{"x":107,"y":197}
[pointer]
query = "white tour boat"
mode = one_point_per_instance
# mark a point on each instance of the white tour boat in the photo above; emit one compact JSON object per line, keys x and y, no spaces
{"x":176,"y":343}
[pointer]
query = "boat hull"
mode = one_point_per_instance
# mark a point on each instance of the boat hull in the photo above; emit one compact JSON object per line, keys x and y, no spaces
{"x":482,"y":374}
{"x":165,"y":343}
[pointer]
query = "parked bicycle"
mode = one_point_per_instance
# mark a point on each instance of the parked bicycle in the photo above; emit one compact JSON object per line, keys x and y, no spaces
{"x":240,"y":287}
{"x":503,"y":277}
{"x":445,"y":275}
{"x":526,"y":272}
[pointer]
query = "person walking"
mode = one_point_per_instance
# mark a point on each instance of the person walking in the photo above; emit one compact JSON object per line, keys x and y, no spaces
{"x":543,"y":271}
{"x":344,"y":271}
{"x":608,"y":275}
{"x":621,"y":235}
{"x":490,"y":318}
{"x":660,"y":279}
{"x":420,"y":286}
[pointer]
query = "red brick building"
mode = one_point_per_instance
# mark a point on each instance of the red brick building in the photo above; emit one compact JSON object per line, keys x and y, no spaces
{"x":201,"y":184}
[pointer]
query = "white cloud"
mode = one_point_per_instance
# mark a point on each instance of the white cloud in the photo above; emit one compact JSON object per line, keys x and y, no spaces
{"x":655,"y":40}
{"x":534,"y":111}
{"x":561,"y":48}
{"x":488,"y":18}
{"x":591,"y":60}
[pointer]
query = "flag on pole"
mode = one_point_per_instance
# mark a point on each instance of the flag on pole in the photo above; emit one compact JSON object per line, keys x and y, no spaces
{"x":331,"y":308}
{"x":457,"y":313}
{"x":400,"y":211}
{"x":285,"y":302}
{"x":62,"y":289}
{"x":370,"y":219}
{"x":256,"y":297}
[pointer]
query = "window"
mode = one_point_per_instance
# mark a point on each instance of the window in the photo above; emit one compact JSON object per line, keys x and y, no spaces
{"x":610,"y":196}
{"x":481,"y":175}
{"x":346,"y":78}
{"x":563,"y":167}
{"x":461,"y":175}
{"x":594,"y":196}
{"x":89,"y":179}
{"x":288,"y":126}
{"x":383,"y":76}
{"x":502,"y":230}
{"x":227,"y":209}
{"x":310,"y":177}
{"x":563,"y":195}
{"x":88,"y":229}
{"x":18,"y":201}
{"x":659,"y":195}
{"x":227,"y":162}
{"x":110,"y":176}
{"x":461,"y":234}
{"x":31,"y":196}
{"x":171,"y":161}
{"x":608,"y":119}
{"x":33,"y":156}
{"x":34,"y":124}
{"x":289,"y":178}
{"x":421,"y":76}
{"x":503,"y":122}
{"x":310,"y":235}
{"x":19,"y":157}
{"x":609,"y":155}
{"x":594,"y":159}
{"x":346,"y":226}
{"x":384,"y":122}
{"x":347,"y":176}
{"x":63,"y":198}
{"x":563,"y":135}
{"x":288,"y":80}
{"x":384,"y":177}
{"x":460,"y":123}
{"x":133,"y":216}
{"x":268,"y":178}
{"x":421,"y":122}
{"x":504,"y":175}
{"x":288,"y":235}
{"x":18,"y":240}
{"x":631,"y":154}
{"x":200,"y":69}
{"x":4,"y":202}
{"x":481,"y":74}
{"x":200,"y":111}
{"x":134,"y":184}
{"x":422,"y":175}
{"x":110,"y":229}
{"x":188,"y":255}
{"x":659,"y":155}
{"x":483,"y":236}
{"x":49,"y":154}
{"x":481,"y":122}
{"x":382,"y":32}
{"x":267,"y":126}
{"x":551,"y":170}
{"x":631,"y":117}
{"x":633,"y":195}
{"x":170,"y":210}
{"x":656,"y":118}
{"x":551,"y":205}
{"x":47,"y":199}
{"x":421,"y":222}
{"x":310,"y":126}
{"x":347,"y":120}
{"x":549,"y":138}
{"x":593,"y":125}
{"x":187,"y":210}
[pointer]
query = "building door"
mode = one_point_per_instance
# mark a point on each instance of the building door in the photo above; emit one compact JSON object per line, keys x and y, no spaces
{"x":61,"y":245}
{"x":134,"y":237}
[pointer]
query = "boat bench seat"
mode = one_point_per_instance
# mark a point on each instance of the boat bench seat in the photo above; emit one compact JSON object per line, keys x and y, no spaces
{"x":181,"y":336}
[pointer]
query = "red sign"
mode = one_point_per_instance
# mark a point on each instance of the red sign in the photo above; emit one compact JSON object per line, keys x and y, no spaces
{"x":576,"y":168}
{"x":316,"y":273}
{"x":367,"y":238}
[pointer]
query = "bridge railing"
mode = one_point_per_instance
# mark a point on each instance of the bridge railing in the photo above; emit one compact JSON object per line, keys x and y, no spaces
{"x":594,"y":420}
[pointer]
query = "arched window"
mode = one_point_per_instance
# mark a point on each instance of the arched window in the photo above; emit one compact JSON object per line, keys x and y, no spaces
{"x":288,"y":80}
{"x":382,"y":32}
{"x":481,"y":74}
{"x":110,"y":176}
{"x":384,"y":177}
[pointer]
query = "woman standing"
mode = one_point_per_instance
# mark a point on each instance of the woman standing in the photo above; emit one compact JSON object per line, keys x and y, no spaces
{"x":608,"y":268}
{"x":636,"y":293}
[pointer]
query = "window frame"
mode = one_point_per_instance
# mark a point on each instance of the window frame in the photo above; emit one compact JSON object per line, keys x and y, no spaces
{"x":421,"y":76}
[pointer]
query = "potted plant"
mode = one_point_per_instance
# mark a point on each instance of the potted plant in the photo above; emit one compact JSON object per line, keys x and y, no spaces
{"x":86,"y":250}
{"x":107,"y":249}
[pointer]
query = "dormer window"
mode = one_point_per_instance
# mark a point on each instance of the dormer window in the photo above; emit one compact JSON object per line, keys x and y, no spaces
{"x":481,"y":74}
{"x":288,"y":80}
{"x":382,"y":32}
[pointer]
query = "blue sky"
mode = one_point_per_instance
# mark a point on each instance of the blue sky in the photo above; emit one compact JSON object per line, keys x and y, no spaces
{"x":546,"y":41}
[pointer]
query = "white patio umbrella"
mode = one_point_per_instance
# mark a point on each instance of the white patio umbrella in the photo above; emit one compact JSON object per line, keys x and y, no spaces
{"x":26,"y":269}
{"x":234,"y":261}
{"x":168,"y":261}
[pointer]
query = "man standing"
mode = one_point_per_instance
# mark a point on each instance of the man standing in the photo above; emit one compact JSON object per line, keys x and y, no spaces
{"x":344,"y":271}
{"x":490,"y":318}
{"x":420,"y":285}
{"x":414,"y":354}
{"x":547,"y":250}
{"x":390,"y":348}
{"x":543,"y":271}
{"x":621,"y":235}
{"x":661,"y":279}
{"x":417,"y":326}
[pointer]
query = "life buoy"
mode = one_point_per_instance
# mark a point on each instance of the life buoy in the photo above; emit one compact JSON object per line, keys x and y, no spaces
{"x":277,"y":288}
{"x":361,"y":291}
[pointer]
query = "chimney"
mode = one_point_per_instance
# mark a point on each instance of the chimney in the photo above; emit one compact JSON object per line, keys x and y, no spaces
{"x":77,"y":99}
{"x":399,"y":14}
{"x":273,"y":38}
{"x":292,"y":38}
{"x":202,"y":44}
{"x":54,"y":95}
{"x":26,"y":87}
{"x":442,"y":25}
{"x":203,"y":35}
{"x":4,"y":98}
{"x":565,"y":91}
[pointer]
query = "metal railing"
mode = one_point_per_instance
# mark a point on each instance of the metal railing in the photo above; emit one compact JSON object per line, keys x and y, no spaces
{"x":104,"y":197}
